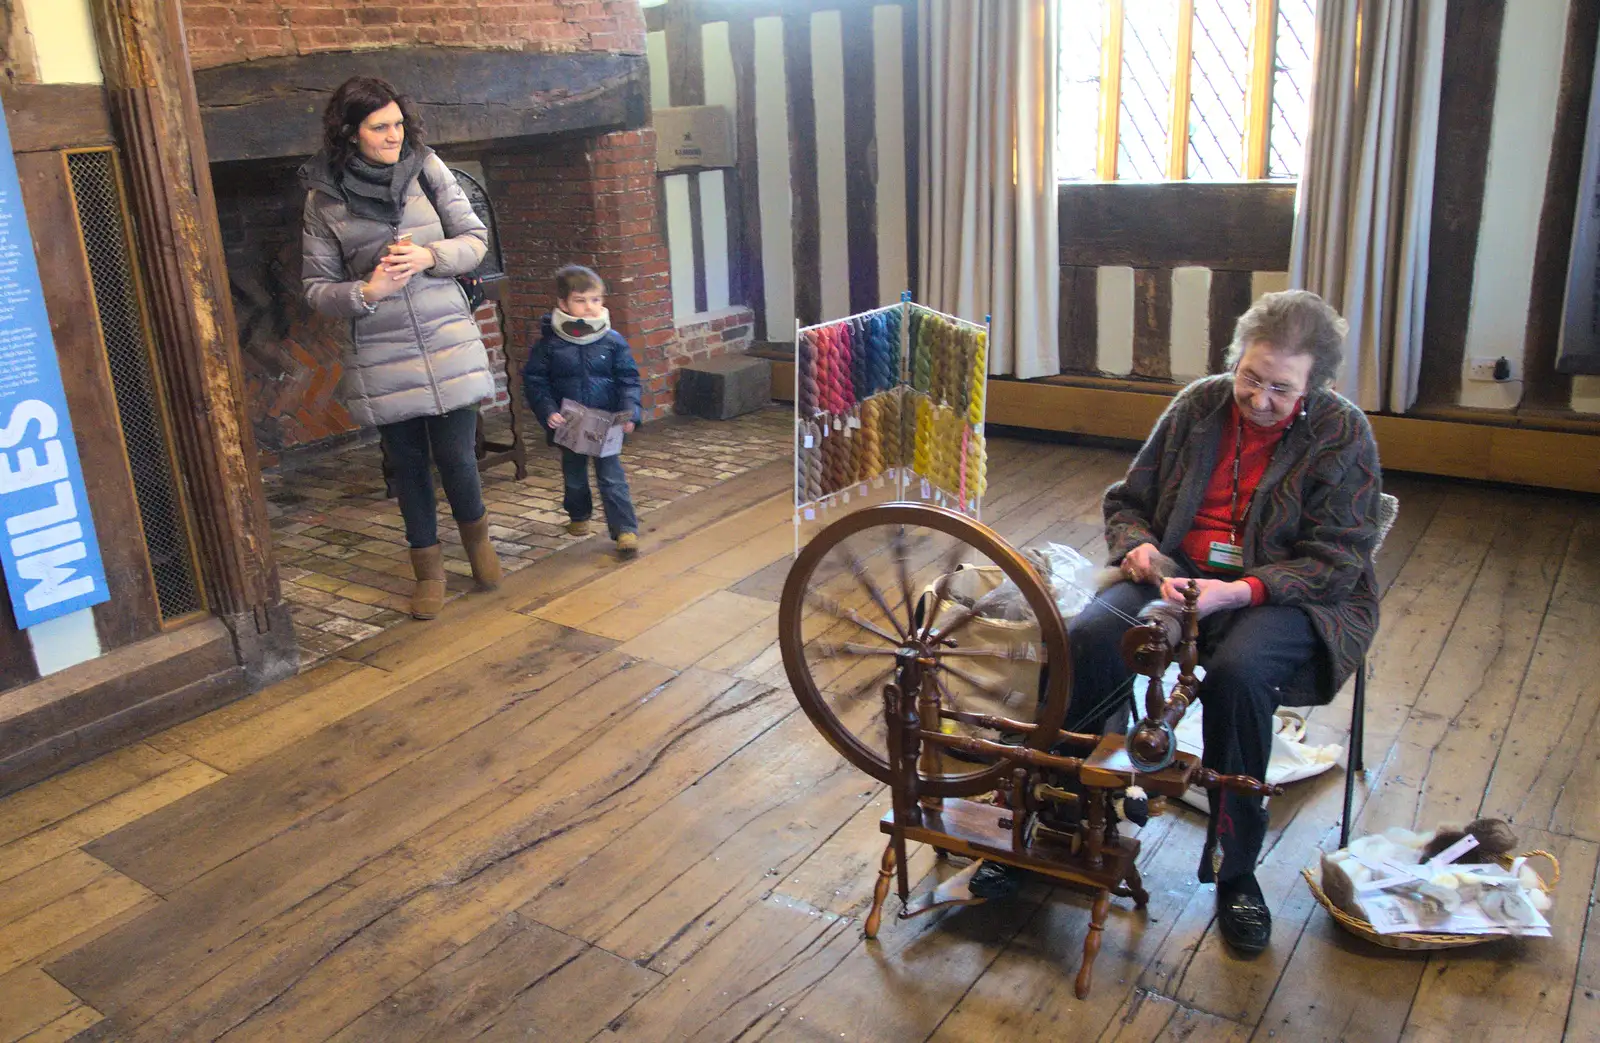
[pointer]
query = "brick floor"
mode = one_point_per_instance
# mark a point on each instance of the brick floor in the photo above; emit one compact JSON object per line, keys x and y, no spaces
{"x":341,"y":548}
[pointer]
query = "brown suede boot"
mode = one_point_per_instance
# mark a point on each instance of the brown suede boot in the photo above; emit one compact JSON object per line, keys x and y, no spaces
{"x":480,"y":552}
{"x":427,"y":598}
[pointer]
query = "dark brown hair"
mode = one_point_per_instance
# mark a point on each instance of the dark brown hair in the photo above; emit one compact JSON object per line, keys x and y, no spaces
{"x":575,"y":278}
{"x":355,"y":100}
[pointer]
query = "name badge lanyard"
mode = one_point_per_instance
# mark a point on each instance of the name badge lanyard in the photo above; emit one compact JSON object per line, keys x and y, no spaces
{"x":1236,"y":521}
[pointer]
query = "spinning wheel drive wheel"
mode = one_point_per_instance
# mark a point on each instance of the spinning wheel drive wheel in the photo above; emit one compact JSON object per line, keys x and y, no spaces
{"x":886,"y":592}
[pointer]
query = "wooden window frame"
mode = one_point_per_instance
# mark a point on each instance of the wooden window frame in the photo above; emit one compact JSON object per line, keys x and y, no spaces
{"x":1256,"y":143}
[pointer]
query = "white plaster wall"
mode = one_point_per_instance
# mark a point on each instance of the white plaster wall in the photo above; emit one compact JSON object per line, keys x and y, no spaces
{"x":63,"y":39}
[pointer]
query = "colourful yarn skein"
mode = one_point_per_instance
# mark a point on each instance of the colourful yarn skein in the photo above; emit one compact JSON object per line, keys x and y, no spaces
{"x":977,"y":466}
{"x":807,"y":361}
{"x":835,"y":462}
{"x":922,"y":449}
{"x":871,"y":438}
{"x":843,"y":364}
{"x":860,"y":356}
{"x":891,"y":322}
{"x":811,"y":462}
{"x":978,"y":378}
{"x":922,"y":352}
{"x":889,"y":436}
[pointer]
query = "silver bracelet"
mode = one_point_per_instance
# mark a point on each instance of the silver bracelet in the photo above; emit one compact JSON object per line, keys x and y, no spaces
{"x":355,"y":290}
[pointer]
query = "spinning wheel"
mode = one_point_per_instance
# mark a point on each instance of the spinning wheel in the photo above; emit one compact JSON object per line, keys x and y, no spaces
{"x":879,"y":592}
{"x":890,"y":641}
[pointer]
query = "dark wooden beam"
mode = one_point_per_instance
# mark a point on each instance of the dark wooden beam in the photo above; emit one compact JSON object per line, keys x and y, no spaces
{"x":45,"y":117}
{"x":1152,"y":323}
{"x":745,"y":256}
{"x":1230,"y":298}
{"x":805,"y":216}
{"x":1078,"y":347}
{"x":1466,"y":98}
{"x":1243,"y":227}
{"x":179,"y":250}
{"x":860,"y":137}
{"x":686,"y":76}
{"x":273,"y":107}
{"x":1543,"y":387}
{"x":697,"y":243}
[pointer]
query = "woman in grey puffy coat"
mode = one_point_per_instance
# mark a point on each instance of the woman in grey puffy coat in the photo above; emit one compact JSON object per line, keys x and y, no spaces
{"x":381,"y":248}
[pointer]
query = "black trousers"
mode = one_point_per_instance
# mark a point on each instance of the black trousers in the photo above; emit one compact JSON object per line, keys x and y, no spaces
{"x":1248,"y":654}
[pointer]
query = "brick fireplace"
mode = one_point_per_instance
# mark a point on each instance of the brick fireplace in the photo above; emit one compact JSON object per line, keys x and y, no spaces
{"x":549,"y":98}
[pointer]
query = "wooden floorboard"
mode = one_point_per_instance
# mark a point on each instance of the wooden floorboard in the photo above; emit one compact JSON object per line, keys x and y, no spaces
{"x":586,"y":807}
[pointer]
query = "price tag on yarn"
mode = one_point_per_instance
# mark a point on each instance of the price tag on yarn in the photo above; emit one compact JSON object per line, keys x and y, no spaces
{"x":972,"y":505}
{"x":809,"y":442}
{"x":877,"y":483}
{"x":811,"y":514}
{"x":846,"y":495}
{"x":894,"y":474}
{"x":849,"y":432}
{"x":927,"y":490}
{"x":824,"y":430}
{"x":863,"y":489}
{"x":855,"y":422}
{"x":837,"y":424}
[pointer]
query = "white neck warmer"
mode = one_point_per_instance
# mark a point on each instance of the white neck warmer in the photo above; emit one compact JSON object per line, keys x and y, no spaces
{"x":597,"y":327}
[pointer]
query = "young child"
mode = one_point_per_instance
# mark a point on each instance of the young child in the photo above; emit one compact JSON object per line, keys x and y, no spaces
{"x":580,"y":357}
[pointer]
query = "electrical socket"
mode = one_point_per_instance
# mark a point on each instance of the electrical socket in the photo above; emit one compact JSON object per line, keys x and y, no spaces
{"x":1482,"y":369}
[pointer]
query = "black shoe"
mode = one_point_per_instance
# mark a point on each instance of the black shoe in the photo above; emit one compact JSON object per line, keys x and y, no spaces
{"x":1243,"y":917}
{"x":994,"y":880}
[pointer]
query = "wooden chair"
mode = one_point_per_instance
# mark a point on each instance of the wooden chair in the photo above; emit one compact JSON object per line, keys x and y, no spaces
{"x":1388,"y":510}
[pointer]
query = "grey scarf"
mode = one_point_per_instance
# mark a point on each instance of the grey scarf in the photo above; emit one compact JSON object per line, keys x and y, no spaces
{"x":379,"y":192}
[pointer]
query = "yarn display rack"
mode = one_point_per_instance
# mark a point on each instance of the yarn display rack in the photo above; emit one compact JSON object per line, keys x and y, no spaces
{"x":896,"y":394}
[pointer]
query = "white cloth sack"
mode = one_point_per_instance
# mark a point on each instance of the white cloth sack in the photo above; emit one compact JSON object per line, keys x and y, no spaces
{"x":1291,"y":760}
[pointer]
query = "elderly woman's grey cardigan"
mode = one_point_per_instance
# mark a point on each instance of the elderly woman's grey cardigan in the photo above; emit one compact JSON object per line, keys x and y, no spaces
{"x":1312,"y":521}
{"x":417,"y":352}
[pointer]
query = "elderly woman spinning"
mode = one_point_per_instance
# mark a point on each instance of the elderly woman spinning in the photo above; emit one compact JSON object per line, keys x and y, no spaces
{"x":1263,"y":484}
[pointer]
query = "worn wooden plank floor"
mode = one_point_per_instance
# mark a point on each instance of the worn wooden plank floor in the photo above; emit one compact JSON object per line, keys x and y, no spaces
{"x":586,"y":807}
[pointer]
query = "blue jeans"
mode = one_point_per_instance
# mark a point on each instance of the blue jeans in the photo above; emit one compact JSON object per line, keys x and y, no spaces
{"x":451,"y":441}
{"x":613,"y":491}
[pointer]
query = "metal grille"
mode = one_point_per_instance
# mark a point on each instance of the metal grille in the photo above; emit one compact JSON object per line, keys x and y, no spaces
{"x":133,"y":380}
{"x":1291,"y":84}
{"x":1218,"y":88}
{"x":1148,"y":31}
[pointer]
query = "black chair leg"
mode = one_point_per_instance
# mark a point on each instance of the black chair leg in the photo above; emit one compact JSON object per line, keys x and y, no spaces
{"x":1355,"y":758}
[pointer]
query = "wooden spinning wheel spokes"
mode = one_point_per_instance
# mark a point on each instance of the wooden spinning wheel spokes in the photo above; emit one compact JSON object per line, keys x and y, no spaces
{"x":873,"y":599}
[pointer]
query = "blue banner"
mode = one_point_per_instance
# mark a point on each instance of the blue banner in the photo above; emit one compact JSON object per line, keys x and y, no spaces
{"x":47,"y":539}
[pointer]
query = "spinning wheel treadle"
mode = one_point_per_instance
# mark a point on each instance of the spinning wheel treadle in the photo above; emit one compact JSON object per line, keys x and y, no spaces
{"x":904,"y":676}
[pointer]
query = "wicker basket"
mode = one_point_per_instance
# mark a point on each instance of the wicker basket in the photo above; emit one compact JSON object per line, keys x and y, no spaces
{"x":1421,"y":940}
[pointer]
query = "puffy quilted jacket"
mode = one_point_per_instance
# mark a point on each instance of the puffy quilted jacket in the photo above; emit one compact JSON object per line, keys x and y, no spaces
{"x":601,"y":375}
{"x":419,"y":353}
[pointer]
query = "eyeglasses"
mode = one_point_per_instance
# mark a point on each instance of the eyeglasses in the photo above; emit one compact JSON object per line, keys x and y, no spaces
{"x":1275,"y":390}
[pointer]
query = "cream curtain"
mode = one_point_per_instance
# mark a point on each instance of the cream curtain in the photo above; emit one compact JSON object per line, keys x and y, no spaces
{"x":987,"y":210}
{"x":1366,"y":194}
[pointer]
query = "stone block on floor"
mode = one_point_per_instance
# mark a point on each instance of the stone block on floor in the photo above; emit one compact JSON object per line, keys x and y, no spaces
{"x":725,"y":387}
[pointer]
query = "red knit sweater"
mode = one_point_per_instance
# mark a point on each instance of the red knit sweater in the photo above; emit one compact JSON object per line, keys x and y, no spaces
{"x":1211,"y":521}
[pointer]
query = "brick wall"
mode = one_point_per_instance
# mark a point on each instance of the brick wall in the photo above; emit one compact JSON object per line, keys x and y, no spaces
{"x":723,"y":333}
{"x":224,"y":31}
{"x":589,"y":201}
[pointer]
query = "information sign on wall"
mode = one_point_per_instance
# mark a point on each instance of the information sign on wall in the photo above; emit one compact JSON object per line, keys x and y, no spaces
{"x":47,"y":539}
